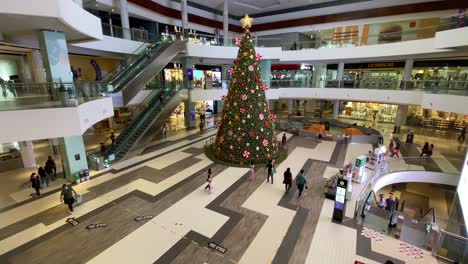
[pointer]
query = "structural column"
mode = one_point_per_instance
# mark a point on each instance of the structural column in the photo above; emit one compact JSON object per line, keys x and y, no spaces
{"x":189,"y":106}
{"x":183,"y":10}
{"x":39,"y":74}
{"x":407,"y":71}
{"x":27,"y":154}
{"x":265,"y":73}
{"x":400,"y":120}
{"x":339,"y":75}
{"x":290,"y":106}
{"x":125,"y":20}
{"x":57,"y":65}
{"x":226,"y":39}
{"x":318,"y":75}
{"x":336,"y":109}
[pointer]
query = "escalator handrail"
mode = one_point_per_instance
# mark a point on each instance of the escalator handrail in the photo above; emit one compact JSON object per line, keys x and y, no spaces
{"x":133,"y":57}
{"x":155,"y":52}
{"x":427,"y":212}
{"x":154,"y":105}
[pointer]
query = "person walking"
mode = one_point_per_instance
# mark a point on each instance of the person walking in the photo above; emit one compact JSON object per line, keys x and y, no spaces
{"x":381,"y":204}
{"x":68,"y":196}
{"x":287,"y":179}
{"x":112,"y":137}
{"x":43,"y":177}
{"x":209,"y":180}
{"x":461,"y":138}
{"x":390,"y":203}
{"x":424,"y":149}
{"x":381,"y":137}
{"x":301,"y":183}
{"x":35,"y":183}
{"x":283,"y":140}
{"x":430,"y":150}
{"x":391,"y":146}
{"x":51,"y":164}
{"x":270,"y":167}
{"x":252,"y":171}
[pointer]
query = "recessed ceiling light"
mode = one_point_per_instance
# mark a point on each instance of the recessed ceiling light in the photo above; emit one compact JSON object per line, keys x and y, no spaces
{"x":113,"y":10}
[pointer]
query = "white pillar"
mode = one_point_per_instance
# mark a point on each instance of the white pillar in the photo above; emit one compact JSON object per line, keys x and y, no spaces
{"x":78,"y":2}
{"x":339,"y":75}
{"x":408,"y":69}
{"x":27,"y":154}
{"x":226,"y":41}
{"x":318,"y":76}
{"x":124,"y":18}
{"x":54,"y":142}
{"x":38,"y":67}
{"x":290,"y":106}
{"x":402,"y":113}
{"x":336,"y":109}
{"x":183,"y":10}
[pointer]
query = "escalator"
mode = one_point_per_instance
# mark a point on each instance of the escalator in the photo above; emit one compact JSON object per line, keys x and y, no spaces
{"x":146,"y":62}
{"x":147,"y":124}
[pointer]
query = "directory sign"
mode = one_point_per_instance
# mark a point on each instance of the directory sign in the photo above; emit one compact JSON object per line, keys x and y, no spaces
{"x":340,"y":200}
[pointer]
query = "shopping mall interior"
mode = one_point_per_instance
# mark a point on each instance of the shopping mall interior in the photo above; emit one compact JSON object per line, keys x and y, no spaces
{"x":233,"y":131}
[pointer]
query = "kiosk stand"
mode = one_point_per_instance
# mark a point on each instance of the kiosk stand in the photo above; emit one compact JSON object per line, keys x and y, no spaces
{"x":359,"y":170}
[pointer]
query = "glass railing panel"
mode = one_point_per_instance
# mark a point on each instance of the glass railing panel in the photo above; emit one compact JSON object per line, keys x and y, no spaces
{"x":452,"y":247}
{"x":19,"y":96}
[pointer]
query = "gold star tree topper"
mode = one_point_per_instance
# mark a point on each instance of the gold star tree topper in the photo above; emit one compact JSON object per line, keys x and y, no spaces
{"x":246,"y":21}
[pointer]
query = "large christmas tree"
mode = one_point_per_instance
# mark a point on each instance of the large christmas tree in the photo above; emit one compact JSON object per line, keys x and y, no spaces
{"x":247,"y":129}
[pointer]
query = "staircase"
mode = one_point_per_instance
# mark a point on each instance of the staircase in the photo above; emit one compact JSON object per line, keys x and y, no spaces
{"x":148,"y":123}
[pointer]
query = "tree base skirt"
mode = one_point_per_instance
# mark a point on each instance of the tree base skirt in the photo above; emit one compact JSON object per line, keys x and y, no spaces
{"x":209,"y":152}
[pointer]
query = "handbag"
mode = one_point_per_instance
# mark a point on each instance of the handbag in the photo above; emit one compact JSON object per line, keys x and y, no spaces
{"x":273,"y":170}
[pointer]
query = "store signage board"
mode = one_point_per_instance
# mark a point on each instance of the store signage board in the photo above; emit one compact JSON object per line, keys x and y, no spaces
{"x":217,"y":247}
{"x":340,"y":200}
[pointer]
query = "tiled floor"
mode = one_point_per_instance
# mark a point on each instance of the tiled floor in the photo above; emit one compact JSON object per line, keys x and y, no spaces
{"x":256,"y":221}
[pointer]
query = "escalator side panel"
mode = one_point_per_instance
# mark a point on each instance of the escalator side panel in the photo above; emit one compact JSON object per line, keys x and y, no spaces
{"x":156,"y":125}
{"x":151,"y":70}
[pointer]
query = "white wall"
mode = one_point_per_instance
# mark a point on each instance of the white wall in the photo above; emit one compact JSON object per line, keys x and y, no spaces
{"x":463,"y":190}
{"x":112,"y":44}
{"x":53,"y":122}
{"x":65,"y":15}
{"x":445,"y":102}
{"x":452,"y":38}
{"x":219,"y":52}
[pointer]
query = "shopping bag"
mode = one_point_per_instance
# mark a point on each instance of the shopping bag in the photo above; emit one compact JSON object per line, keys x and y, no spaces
{"x":78,"y":198}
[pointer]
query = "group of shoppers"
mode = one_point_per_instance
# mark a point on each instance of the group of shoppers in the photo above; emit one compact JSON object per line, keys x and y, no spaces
{"x":44,"y":175}
{"x":388,"y":204}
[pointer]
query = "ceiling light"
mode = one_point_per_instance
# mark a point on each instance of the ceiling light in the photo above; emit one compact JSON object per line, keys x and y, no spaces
{"x":113,"y":10}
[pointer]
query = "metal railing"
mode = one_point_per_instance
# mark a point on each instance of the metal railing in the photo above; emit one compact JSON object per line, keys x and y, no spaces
{"x":136,"y":34}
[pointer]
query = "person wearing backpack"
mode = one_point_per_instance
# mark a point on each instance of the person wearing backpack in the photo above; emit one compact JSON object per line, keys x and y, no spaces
{"x":301,"y":183}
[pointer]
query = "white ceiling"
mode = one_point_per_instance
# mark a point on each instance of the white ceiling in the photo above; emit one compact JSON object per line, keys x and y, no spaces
{"x":242,"y":7}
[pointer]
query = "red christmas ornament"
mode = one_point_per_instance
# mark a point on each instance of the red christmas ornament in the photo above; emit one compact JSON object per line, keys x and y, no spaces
{"x":251,"y":133}
{"x":246,"y":154}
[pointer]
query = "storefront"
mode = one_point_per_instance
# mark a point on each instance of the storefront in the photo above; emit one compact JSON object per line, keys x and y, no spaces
{"x":207,"y":77}
{"x":418,"y":116}
{"x":285,"y":75}
{"x":366,"y":111}
{"x":447,"y":70}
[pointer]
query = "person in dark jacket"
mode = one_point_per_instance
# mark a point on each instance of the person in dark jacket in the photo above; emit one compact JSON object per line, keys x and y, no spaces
{"x":424,"y":149}
{"x":43,"y":177}
{"x":283,"y":140}
{"x":270,"y":167}
{"x":68,"y":196}
{"x":35,"y":183}
{"x":287,"y":179}
{"x":50,"y":163}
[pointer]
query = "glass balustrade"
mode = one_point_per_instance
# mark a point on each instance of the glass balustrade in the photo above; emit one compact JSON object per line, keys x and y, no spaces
{"x":17,"y":96}
{"x":452,"y":247}
{"x":445,"y":23}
